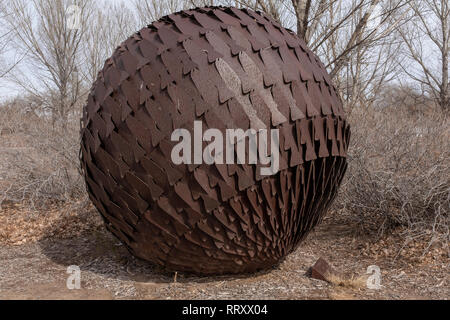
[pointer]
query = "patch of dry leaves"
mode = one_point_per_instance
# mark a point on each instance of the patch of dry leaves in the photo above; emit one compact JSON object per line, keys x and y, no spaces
{"x":19,"y":224}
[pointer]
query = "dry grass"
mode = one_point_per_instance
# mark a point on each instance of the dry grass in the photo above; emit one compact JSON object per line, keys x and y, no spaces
{"x":351,"y":282}
{"x":340,"y":295}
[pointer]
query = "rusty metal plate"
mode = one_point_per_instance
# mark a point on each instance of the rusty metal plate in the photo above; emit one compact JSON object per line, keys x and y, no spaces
{"x":230,"y":69}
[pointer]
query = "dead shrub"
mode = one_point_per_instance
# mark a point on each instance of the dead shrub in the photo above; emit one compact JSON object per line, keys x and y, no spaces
{"x":39,"y":158}
{"x":399,"y":172}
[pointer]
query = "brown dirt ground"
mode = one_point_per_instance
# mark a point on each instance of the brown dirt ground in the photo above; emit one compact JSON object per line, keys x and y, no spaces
{"x":37,"y":247}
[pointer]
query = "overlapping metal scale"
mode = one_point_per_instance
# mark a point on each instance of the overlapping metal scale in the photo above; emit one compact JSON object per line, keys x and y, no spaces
{"x":229,"y":68}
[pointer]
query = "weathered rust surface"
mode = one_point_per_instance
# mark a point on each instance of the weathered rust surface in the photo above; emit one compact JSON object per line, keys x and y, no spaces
{"x":322,"y":270}
{"x":229,"y":68}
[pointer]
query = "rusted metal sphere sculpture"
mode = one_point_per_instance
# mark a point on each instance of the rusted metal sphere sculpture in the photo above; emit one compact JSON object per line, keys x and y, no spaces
{"x":222,"y":68}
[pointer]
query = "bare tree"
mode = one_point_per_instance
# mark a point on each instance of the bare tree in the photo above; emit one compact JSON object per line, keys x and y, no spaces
{"x":108,"y":26}
{"x":354,"y":39}
{"x":360,"y":53}
{"x":5,"y":39}
{"x":49,"y":33}
{"x":426,"y":41}
{"x":151,"y":10}
{"x":348,"y":25}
